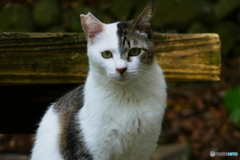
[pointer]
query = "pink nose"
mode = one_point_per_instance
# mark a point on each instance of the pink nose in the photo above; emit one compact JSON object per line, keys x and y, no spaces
{"x":121,"y":70}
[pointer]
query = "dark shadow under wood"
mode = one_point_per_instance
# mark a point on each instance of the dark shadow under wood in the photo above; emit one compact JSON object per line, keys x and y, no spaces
{"x":22,"y":106}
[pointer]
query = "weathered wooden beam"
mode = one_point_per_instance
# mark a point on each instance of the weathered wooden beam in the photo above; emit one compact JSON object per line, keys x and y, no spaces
{"x":60,"y":58}
{"x":186,"y":57}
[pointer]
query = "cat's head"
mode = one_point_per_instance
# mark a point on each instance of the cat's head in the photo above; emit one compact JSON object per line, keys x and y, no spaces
{"x":120,"y":51}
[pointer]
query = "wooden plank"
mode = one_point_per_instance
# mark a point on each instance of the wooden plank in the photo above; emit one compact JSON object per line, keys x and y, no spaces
{"x":60,"y":58}
{"x":186,"y":57}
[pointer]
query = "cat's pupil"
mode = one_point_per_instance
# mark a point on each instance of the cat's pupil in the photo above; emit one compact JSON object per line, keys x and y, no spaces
{"x":107,"y":54}
{"x":134,"y":52}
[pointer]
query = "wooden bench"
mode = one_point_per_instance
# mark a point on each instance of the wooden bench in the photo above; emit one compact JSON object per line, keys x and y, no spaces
{"x":38,"y":68}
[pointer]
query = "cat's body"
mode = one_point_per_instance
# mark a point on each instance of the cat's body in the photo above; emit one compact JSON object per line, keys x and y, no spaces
{"x":117,"y":114}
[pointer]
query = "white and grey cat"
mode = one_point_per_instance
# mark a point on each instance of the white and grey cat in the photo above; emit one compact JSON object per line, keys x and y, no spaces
{"x":117,"y":114}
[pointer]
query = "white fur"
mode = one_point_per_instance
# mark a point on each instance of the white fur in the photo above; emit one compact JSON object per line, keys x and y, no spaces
{"x":46,"y":145}
{"x":121,"y":120}
{"x":121,"y":117}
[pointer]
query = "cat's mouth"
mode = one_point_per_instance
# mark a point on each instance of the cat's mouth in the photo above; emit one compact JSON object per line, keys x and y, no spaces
{"x":123,"y":79}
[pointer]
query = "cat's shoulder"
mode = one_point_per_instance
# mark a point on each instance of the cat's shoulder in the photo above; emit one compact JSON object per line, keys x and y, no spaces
{"x":73,"y":100}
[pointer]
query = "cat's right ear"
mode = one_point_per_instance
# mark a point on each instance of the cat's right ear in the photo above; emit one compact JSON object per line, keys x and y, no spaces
{"x":91,"y":26}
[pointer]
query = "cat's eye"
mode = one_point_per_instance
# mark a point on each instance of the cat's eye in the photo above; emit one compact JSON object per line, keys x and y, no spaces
{"x":107,"y":54}
{"x":134,"y":52}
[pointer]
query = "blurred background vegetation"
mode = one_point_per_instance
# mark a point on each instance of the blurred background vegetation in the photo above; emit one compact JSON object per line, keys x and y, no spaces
{"x":204,"y":115}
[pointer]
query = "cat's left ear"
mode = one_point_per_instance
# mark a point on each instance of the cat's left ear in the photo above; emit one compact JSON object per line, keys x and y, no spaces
{"x":91,"y":26}
{"x":143,"y":22}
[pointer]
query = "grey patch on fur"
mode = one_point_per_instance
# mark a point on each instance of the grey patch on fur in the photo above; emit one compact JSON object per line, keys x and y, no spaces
{"x":137,"y":33}
{"x":71,"y":144}
{"x":129,"y":37}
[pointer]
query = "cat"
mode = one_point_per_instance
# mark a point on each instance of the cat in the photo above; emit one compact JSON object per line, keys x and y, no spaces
{"x":117,"y":114}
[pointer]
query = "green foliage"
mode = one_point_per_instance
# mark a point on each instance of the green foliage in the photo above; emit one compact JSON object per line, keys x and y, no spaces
{"x":224,"y":7}
{"x":179,"y":14}
{"x":15,"y":18}
{"x":197,"y":28}
{"x":121,"y":10}
{"x":71,"y":19}
{"x":232,"y":102}
{"x":47,"y":13}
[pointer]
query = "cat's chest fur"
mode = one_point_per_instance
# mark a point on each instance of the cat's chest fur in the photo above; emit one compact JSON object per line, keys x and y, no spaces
{"x":120,"y":123}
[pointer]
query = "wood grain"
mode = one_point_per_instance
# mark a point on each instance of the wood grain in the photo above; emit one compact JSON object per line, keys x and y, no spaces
{"x":60,"y":58}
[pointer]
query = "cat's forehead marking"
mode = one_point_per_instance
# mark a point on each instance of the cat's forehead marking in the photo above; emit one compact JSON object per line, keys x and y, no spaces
{"x":129,"y":38}
{"x":122,"y":35}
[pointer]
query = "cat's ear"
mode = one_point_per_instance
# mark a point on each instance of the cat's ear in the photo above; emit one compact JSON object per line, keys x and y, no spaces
{"x":143,"y":22}
{"x":91,"y":26}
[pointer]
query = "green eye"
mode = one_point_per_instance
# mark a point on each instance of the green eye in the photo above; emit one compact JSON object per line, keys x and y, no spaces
{"x":134,"y":52}
{"x":107,"y":54}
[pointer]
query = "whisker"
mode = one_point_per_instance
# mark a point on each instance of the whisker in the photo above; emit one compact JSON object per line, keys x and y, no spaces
{"x":104,"y":80}
{"x":146,"y":76}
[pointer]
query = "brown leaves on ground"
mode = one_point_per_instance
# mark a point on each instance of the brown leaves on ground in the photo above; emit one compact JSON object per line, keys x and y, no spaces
{"x":196,"y":116}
